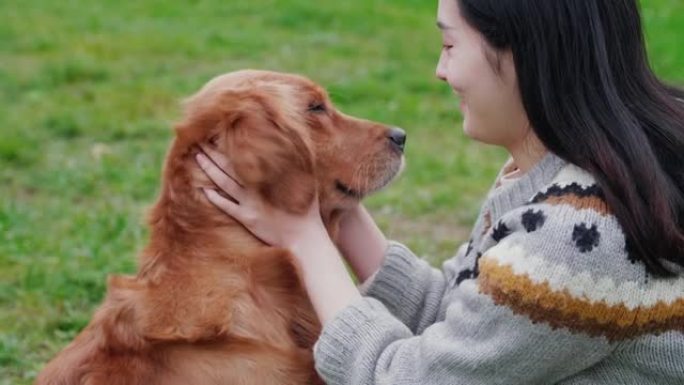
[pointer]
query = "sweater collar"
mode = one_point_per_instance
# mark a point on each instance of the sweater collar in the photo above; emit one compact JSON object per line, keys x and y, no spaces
{"x":518,"y":192}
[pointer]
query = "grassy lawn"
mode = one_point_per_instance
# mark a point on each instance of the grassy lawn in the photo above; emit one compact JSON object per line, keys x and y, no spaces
{"x":90,"y":89}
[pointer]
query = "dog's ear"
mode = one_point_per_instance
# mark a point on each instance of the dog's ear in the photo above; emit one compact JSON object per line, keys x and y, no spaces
{"x":269,"y":152}
{"x":260,"y":137}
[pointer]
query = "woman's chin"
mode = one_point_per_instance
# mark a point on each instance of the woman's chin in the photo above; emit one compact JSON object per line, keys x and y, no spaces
{"x":470,"y":131}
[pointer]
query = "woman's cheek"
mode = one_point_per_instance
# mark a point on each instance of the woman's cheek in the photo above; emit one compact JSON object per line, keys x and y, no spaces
{"x":477,"y":124}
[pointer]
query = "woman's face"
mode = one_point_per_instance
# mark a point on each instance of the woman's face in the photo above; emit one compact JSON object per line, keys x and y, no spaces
{"x":490,"y":102}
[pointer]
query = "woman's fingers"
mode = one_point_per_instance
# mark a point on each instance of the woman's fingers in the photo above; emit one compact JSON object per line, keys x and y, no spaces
{"x":222,"y":161}
{"x":226,"y":205}
{"x":220,"y":178}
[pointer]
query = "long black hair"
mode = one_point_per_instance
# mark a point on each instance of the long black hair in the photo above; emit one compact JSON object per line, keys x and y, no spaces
{"x":593,"y":100}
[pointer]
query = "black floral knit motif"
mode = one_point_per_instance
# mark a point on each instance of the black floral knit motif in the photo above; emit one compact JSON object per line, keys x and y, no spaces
{"x":533,"y":220}
{"x":500,"y":232}
{"x":586,"y":238}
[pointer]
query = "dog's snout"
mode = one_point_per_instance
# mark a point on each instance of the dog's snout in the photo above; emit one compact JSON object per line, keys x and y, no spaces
{"x":398,"y":138}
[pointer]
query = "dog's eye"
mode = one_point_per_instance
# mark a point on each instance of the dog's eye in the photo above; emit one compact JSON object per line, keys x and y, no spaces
{"x":317,"y":107}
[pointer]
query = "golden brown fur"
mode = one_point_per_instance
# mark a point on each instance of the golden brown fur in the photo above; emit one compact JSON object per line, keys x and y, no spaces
{"x":210,"y":303}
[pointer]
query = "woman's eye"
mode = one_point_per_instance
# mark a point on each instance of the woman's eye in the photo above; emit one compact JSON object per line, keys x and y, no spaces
{"x":447,"y":46}
{"x":317,"y":107}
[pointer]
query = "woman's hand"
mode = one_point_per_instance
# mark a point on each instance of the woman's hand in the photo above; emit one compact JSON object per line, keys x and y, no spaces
{"x":273,"y":226}
{"x":324,"y":275}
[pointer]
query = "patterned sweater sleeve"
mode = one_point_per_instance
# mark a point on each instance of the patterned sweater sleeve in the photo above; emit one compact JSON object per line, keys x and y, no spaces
{"x":408,"y":287}
{"x":549,"y":302}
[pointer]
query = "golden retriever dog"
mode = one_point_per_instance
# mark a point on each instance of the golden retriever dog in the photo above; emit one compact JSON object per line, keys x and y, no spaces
{"x":210,"y":303}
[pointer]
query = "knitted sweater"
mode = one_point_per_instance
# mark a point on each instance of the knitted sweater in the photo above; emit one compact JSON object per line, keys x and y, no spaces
{"x":544,"y":292}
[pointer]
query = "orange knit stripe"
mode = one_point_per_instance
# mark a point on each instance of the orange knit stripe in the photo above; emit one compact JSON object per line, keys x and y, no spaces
{"x":579,"y":202}
{"x":561,"y":310}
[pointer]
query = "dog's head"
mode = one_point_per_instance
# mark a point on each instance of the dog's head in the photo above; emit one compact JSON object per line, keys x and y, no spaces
{"x":285,"y":139}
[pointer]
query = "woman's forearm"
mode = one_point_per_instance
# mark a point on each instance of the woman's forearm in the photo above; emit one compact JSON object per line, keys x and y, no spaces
{"x":325,"y":276}
{"x":361,"y":242}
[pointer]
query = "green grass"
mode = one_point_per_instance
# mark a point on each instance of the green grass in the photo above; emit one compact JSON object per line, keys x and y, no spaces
{"x":89,"y":90}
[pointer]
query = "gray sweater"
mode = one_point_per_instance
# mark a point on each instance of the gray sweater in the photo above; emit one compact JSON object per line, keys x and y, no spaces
{"x":544,"y":292}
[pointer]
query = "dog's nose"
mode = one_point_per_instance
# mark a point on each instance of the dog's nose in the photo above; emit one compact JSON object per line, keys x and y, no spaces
{"x":398,"y":137}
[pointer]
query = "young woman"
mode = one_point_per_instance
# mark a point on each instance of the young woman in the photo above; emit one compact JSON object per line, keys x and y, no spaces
{"x":574,"y":272}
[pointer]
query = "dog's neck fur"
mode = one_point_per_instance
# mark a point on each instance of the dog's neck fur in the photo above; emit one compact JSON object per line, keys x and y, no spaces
{"x":185,"y":226}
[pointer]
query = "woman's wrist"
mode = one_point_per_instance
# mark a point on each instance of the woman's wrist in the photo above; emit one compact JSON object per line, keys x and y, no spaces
{"x":309,"y":240}
{"x":361,"y":242}
{"x":324,"y":275}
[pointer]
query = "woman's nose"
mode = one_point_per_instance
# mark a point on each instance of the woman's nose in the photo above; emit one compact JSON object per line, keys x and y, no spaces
{"x":440,"y":71}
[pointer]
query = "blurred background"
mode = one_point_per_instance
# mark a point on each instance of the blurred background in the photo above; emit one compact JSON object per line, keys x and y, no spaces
{"x":89,"y":91}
